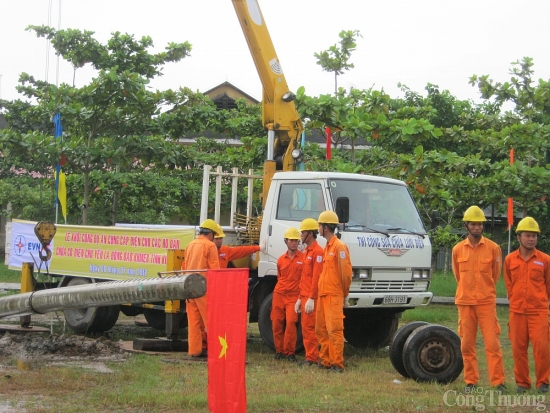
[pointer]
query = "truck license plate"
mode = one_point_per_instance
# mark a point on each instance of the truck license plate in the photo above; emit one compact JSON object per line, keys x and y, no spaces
{"x":395,"y":299}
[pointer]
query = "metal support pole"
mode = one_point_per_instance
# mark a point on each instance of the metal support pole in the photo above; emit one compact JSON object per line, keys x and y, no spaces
{"x":234,"y":189}
{"x":104,"y":294}
{"x":204,"y":197}
{"x":218,"y":197}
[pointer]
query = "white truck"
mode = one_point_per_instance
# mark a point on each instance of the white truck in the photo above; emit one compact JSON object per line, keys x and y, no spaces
{"x":389,"y":247}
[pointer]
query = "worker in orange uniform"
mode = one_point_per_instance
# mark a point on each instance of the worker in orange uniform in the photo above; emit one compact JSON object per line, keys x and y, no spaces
{"x":200,"y":254}
{"x":334,"y":284}
{"x":527,"y":280}
{"x":309,"y":284}
{"x":285,"y":295}
{"x":227,"y":254}
{"x":477,"y":263}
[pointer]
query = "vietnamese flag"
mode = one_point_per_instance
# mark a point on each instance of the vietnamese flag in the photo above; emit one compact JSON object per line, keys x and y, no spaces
{"x":226,"y":313}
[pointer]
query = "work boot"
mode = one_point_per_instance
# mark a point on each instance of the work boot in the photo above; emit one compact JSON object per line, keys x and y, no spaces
{"x":292,"y":358}
{"x":202,"y":354}
{"x":279,"y":356}
{"x":521,"y":390}
{"x":306,"y":363}
{"x":336,"y":369}
{"x":543,"y":388}
{"x":469,"y":388}
{"x":501,"y":388}
{"x":322,"y":366}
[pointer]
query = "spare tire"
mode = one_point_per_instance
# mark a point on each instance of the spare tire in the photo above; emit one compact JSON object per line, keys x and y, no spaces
{"x":432,"y":353}
{"x":397,"y":344}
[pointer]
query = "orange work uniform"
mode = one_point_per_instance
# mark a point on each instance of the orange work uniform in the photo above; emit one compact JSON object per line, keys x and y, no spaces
{"x":309,"y":286}
{"x":334,"y":283}
{"x":285,"y":295}
{"x":228,"y":254}
{"x":528,"y":286}
{"x":200,"y":254}
{"x":476,"y":271}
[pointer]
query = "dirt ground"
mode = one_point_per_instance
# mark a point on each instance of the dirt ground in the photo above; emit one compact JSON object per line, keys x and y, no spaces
{"x":19,"y":349}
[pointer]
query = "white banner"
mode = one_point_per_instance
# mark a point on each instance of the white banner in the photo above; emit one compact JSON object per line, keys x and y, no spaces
{"x":24,"y":246}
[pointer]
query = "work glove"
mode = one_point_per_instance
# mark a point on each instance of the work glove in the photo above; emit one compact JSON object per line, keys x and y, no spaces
{"x":310,"y":305}
{"x":346,"y":302}
{"x":262,"y":247}
{"x":298,"y":306}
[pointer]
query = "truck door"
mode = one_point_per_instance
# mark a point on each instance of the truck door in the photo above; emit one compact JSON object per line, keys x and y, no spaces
{"x":293,"y":203}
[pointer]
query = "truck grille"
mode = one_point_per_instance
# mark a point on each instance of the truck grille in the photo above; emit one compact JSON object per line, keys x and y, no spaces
{"x":389,"y":286}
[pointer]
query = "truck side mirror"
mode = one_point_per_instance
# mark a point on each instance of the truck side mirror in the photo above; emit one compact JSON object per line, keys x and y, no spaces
{"x":342,"y":209}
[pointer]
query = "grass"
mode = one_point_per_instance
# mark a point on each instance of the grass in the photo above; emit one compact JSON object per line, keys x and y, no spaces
{"x":8,"y":276}
{"x":173,"y":383}
{"x":444,"y":285}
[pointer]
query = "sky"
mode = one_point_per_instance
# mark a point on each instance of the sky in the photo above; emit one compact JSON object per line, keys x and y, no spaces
{"x":413,"y":42}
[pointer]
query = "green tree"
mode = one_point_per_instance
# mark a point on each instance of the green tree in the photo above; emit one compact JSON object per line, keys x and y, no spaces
{"x":110,"y":122}
{"x":336,"y":58}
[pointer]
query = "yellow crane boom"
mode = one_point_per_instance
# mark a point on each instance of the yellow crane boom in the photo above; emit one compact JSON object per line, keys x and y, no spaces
{"x":279,"y":114}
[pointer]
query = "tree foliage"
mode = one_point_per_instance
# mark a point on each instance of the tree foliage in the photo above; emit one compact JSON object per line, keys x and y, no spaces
{"x":124,"y":164}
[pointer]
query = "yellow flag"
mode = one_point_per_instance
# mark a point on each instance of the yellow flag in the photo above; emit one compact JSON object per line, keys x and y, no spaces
{"x":62,"y":195}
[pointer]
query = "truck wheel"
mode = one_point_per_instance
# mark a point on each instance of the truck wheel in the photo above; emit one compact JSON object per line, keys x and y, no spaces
{"x":363,"y":332}
{"x":432,"y":353}
{"x":106,"y":318}
{"x":90,"y":319}
{"x":266,"y":331}
{"x":157,"y":319}
{"x":397,"y":344}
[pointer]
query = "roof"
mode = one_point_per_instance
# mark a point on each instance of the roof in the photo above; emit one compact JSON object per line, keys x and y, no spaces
{"x":225,"y":94}
{"x":310,"y":175}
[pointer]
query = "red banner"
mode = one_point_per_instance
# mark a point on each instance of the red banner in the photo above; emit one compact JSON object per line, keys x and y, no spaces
{"x":227,"y":323}
{"x":329,"y":142}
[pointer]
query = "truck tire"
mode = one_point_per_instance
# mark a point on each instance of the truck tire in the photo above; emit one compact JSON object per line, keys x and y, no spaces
{"x":266,"y":331}
{"x":107,"y":318}
{"x":90,"y":319}
{"x":362,"y":332}
{"x":157,"y":319}
{"x":432,"y":353}
{"x":397,"y":344}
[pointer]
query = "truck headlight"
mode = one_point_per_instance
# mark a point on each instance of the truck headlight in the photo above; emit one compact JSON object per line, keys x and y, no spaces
{"x":421,"y":274}
{"x":362,"y":274}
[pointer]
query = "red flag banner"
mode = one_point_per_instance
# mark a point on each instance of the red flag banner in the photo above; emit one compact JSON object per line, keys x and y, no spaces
{"x":329,"y":142}
{"x":227,"y":323}
{"x":510,"y":213}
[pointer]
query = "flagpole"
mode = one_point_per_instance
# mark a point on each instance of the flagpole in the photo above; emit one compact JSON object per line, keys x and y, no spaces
{"x":58,"y":130}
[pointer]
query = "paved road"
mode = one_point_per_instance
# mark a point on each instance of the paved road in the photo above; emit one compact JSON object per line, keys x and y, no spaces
{"x":10,"y":286}
{"x":451,"y":300}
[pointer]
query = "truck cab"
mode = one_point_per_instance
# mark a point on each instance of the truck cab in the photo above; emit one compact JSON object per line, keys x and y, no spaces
{"x":389,"y":247}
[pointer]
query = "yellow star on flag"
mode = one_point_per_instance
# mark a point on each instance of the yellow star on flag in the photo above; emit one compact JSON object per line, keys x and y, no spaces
{"x":223,"y":342}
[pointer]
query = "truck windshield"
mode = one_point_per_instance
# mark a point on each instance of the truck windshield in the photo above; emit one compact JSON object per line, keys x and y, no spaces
{"x":377,"y":206}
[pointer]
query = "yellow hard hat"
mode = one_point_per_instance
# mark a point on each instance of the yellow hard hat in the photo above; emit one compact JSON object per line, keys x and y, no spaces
{"x":328,"y":217}
{"x":219,"y":232}
{"x":528,"y":224}
{"x":292,"y":233}
{"x":210,"y":224}
{"x":309,"y":224}
{"x":474,"y":214}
